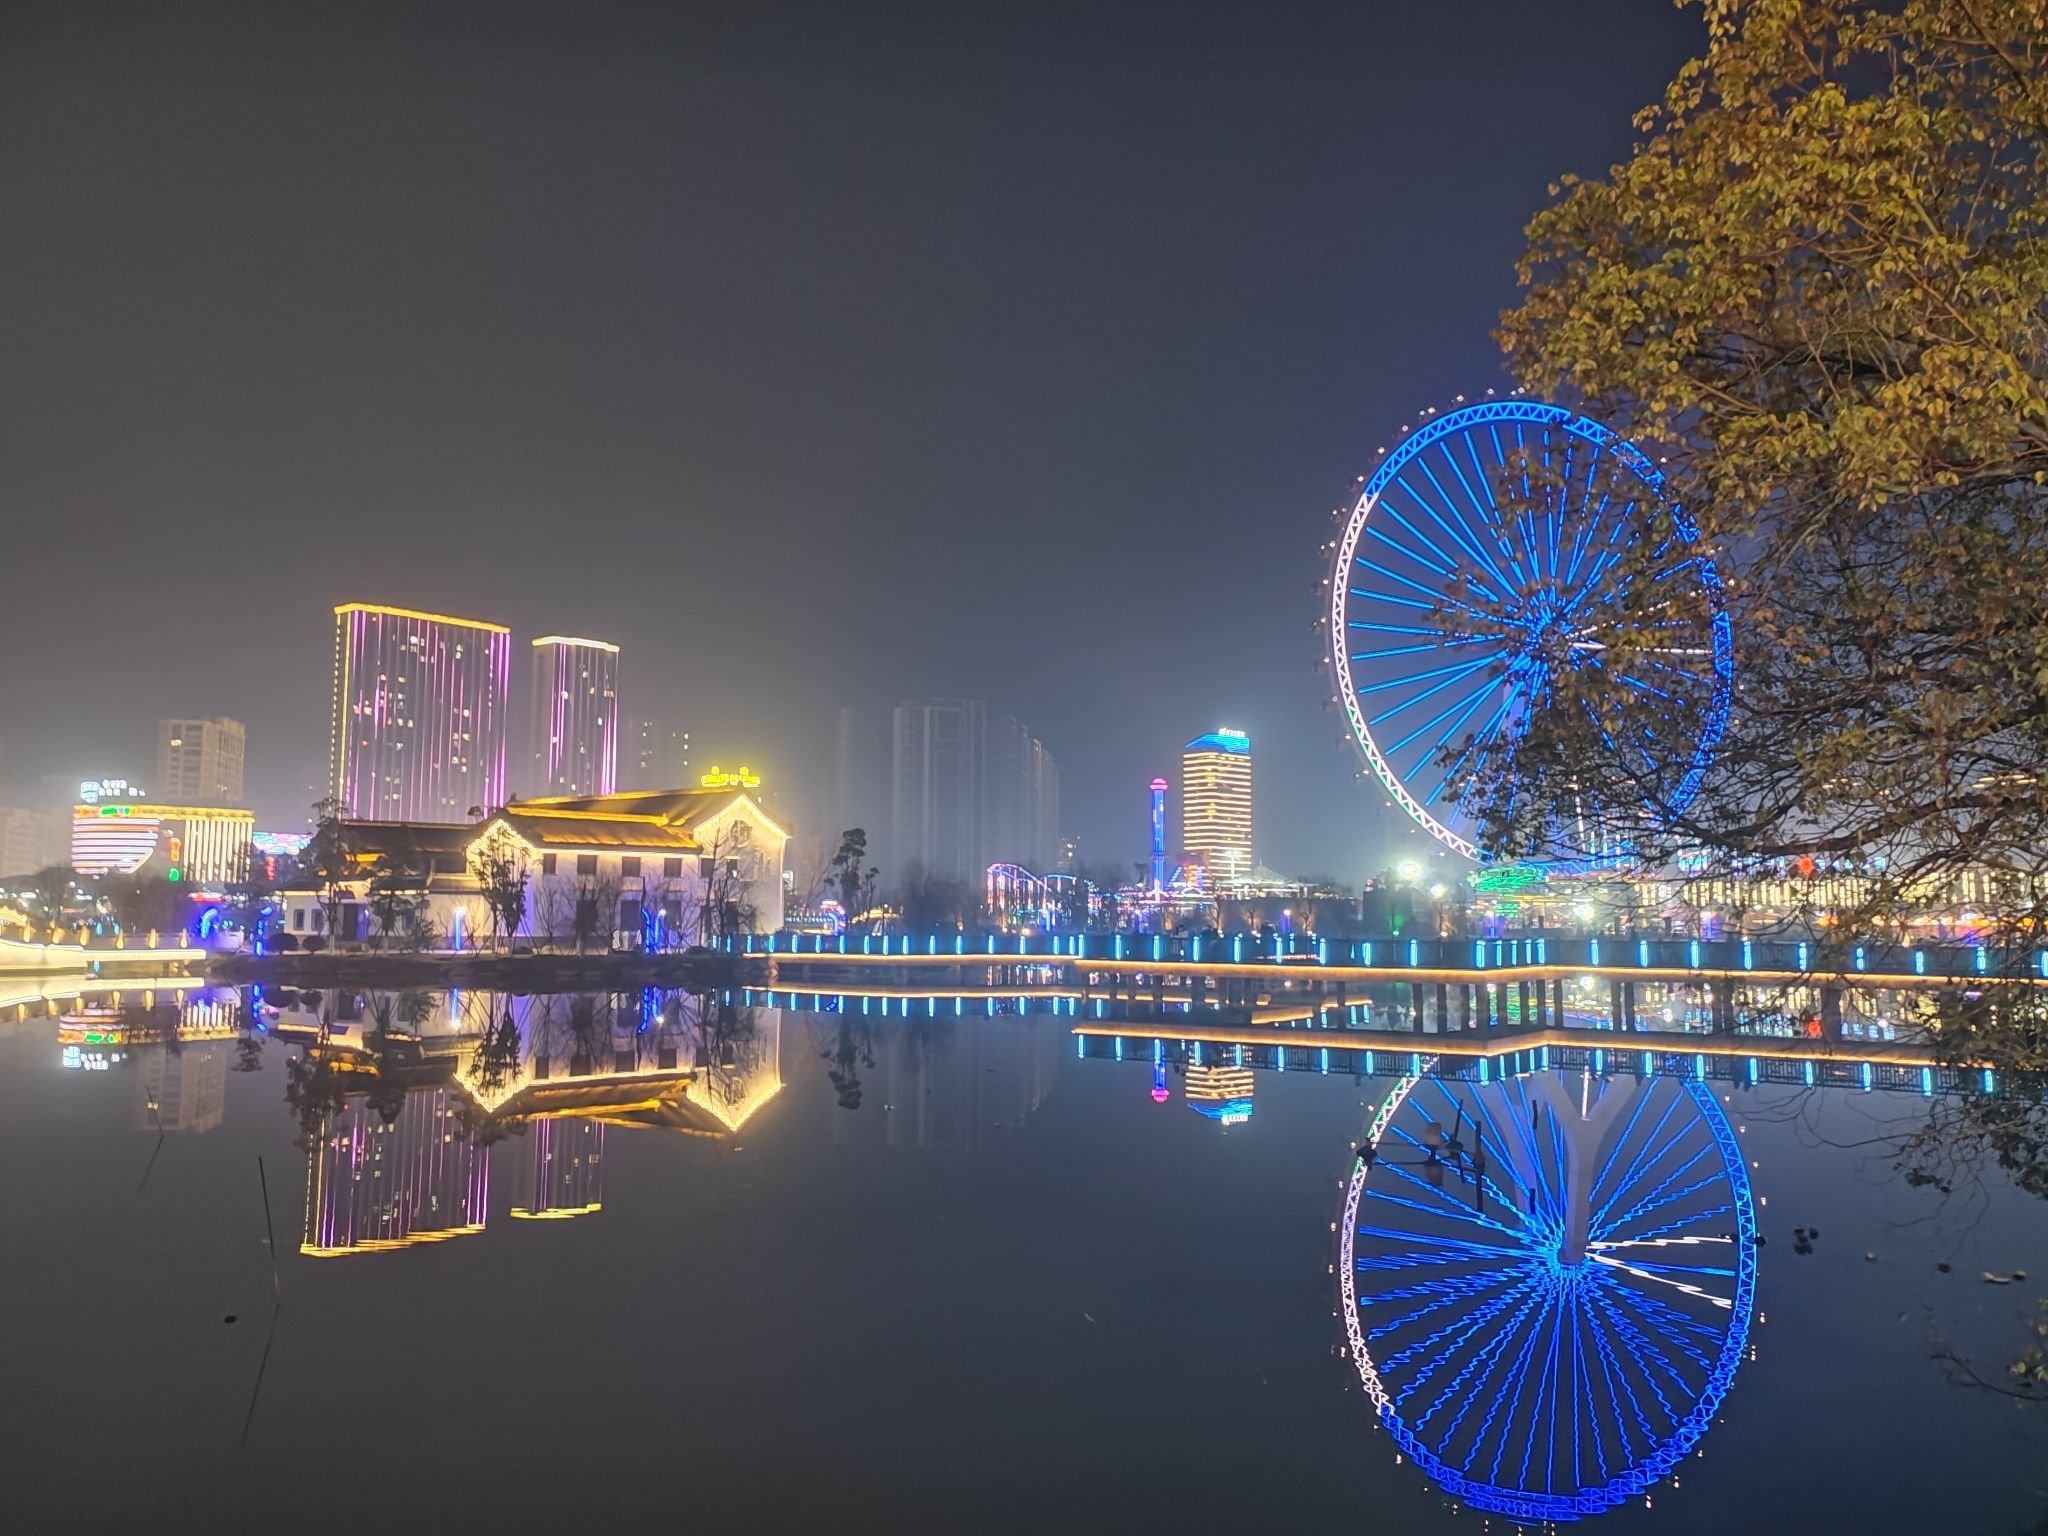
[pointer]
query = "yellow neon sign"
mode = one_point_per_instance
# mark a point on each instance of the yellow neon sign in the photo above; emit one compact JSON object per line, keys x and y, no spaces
{"x":717,"y":778}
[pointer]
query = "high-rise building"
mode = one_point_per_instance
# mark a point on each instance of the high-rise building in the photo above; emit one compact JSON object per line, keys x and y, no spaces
{"x":967,"y":791}
{"x":199,"y":762}
{"x":657,"y":754}
{"x":938,"y":788}
{"x":34,"y":838}
{"x":859,"y":794}
{"x":1023,"y":798}
{"x":1216,"y":805}
{"x":575,"y":718}
{"x":418,"y":721}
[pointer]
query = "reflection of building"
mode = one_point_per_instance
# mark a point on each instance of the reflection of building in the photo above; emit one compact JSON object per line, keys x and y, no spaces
{"x":953,"y":1084}
{"x":372,"y":1187}
{"x":199,"y":762}
{"x":202,"y":844}
{"x":1216,"y":805}
{"x":575,"y":718}
{"x":182,"y":1088}
{"x":1221,"y":1093}
{"x":418,"y":721}
{"x":563,"y":1175}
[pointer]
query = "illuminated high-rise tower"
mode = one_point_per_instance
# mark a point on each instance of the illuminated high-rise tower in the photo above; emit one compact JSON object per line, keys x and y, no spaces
{"x":418,"y":728}
{"x":575,"y":719}
{"x":1159,"y":834}
{"x":1216,"y":805}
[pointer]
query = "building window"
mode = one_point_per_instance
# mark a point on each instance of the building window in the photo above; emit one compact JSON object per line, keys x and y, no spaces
{"x":630,"y":864}
{"x":673,"y":868}
{"x":547,"y":863}
{"x":586,"y":863}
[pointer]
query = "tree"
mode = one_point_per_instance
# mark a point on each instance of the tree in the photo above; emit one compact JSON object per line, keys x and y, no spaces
{"x":727,"y":868}
{"x":852,"y":879}
{"x":1817,"y":293}
{"x":397,"y":903}
{"x":499,"y":862}
{"x":328,"y":861}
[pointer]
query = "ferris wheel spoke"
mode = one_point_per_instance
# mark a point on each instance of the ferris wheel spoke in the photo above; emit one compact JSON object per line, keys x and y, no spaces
{"x":1621,"y":1304}
{"x":1488,"y":525}
{"x":1503,"y":1158}
{"x":1618,"y":1386}
{"x":1450,"y":1336}
{"x":1643,"y":1101}
{"x":1468,"y":702}
{"x":1519,"y":1374}
{"x":1458,"y":1210}
{"x":1480,"y":1370}
{"x":1646,"y":1165}
{"x":1399,"y":650}
{"x":1478,"y":504}
{"x":1684,"y":1334}
{"x":1528,"y":1293}
{"x":1443,"y":565}
{"x":1657,"y":1199}
{"x":1464,"y":541}
{"x":1672,"y":1232}
{"x":1451,"y":772}
{"x":1451,"y":566}
{"x":1430,"y":692}
{"x":1437,"y":596}
{"x":1459,"y":669}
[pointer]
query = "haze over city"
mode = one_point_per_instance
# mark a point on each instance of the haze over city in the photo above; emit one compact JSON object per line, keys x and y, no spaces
{"x":818,"y":357}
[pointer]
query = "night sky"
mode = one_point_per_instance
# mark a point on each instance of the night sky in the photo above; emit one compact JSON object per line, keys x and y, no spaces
{"x":818,"y":355}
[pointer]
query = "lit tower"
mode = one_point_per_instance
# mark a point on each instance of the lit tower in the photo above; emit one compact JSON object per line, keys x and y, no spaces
{"x":1158,"y":835}
{"x":418,"y":721}
{"x":1216,"y":805}
{"x":575,"y":719}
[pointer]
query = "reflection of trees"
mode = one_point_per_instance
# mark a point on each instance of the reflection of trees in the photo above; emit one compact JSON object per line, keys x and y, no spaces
{"x":314,"y":1091}
{"x":851,"y":1051}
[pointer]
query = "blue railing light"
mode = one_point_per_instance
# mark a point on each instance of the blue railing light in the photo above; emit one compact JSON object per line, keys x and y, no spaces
{"x":1642,"y":952}
{"x":1748,"y":955}
{"x":1695,"y":954}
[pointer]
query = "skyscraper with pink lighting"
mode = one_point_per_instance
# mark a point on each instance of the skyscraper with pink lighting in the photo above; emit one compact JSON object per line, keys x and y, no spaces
{"x":575,"y":718}
{"x":419,"y":714}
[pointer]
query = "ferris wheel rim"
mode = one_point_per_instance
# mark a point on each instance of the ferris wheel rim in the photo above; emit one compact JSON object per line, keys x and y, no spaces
{"x":1638,"y":1477}
{"x":1519,"y":411}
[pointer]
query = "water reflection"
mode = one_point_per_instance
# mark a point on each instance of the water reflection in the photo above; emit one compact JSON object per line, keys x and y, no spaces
{"x":1548,"y":1281}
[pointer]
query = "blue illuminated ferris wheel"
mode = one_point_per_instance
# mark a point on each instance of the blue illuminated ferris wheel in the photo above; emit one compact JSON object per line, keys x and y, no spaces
{"x":1483,"y":556}
{"x":1547,"y":1282}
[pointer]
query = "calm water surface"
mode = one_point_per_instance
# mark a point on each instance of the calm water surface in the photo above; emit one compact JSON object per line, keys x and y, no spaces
{"x":920,"y":1275}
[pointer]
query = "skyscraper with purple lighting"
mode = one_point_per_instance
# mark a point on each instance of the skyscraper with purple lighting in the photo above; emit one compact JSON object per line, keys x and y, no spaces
{"x":419,"y":714}
{"x":575,"y":718}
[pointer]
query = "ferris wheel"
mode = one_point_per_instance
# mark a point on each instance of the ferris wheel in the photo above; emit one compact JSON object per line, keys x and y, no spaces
{"x":1547,"y":1283}
{"x":1481,"y":558}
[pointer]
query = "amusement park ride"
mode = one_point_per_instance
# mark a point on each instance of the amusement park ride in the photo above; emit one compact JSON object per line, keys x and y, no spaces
{"x":1546,"y":1284}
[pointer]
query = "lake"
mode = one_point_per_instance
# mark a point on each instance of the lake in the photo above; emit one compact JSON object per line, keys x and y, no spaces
{"x":592,"y":1259}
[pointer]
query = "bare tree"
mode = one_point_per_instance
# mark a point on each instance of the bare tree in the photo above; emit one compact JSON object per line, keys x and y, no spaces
{"x":502,"y":870}
{"x":728,"y":867}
